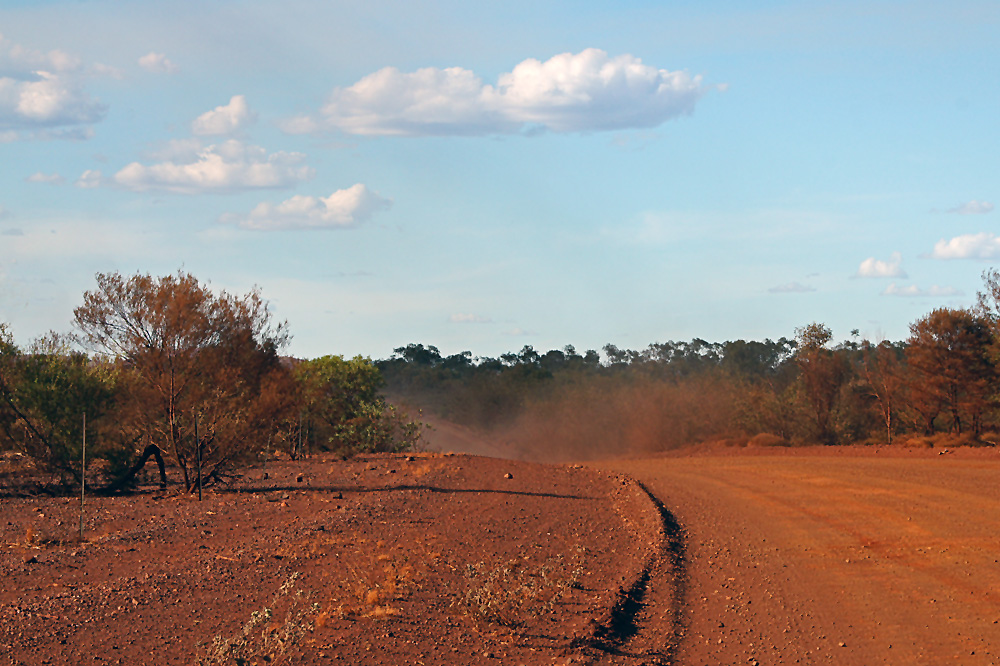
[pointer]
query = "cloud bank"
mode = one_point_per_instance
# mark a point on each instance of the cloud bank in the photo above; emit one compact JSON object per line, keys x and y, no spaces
{"x":983,"y":245}
{"x":50,"y":178}
{"x":876,"y":268}
{"x":584,"y":92}
{"x":343,"y":209}
{"x":226,"y":119}
{"x":973,"y":208}
{"x":42,"y":93}
{"x":232,"y":165}
{"x":158,"y":63}
{"x":913,"y":291}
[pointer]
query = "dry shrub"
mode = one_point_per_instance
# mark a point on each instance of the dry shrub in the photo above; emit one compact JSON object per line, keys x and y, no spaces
{"x":942,"y":440}
{"x":767,"y":439}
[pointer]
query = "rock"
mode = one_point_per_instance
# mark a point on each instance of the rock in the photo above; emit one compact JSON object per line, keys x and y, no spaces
{"x":508,"y":475}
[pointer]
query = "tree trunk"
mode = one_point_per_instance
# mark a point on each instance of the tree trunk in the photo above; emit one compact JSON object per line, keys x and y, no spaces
{"x":151,"y":451}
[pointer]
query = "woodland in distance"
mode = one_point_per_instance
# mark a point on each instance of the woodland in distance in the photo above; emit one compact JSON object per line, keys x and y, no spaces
{"x":164,"y":368}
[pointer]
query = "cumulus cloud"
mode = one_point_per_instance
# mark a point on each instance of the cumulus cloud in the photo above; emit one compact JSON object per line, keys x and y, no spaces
{"x":41,"y":92}
{"x":913,"y":291}
{"x":50,"y":178}
{"x":791,"y":288}
{"x":876,"y":268}
{"x":983,"y":245}
{"x":973,"y":208}
{"x":224,"y":119}
{"x":225,"y":167}
{"x":584,"y":92}
{"x":467,"y":318}
{"x":90,"y":179}
{"x":342,"y":209}
{"x":158,"y":63}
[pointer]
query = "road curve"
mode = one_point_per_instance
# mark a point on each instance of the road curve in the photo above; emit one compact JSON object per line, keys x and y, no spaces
{"x":822,"y":559}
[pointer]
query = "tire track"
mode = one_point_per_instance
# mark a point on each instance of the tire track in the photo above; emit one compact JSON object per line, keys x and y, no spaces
{"x":647,"y":622}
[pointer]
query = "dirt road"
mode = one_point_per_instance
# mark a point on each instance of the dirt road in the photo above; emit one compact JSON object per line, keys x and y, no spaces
{"x":833,"y":559}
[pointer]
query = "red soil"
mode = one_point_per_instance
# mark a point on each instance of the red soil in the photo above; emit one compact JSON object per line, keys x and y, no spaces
{"x":384,"y":560}
{"x":850,"y":556}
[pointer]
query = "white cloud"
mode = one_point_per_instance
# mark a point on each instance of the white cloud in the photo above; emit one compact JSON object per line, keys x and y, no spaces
{"x":50,"y":178}
{"x":342,"y":209}
{"x":973,"y":208}
{"x":224,"y":119}
{"x":983,"y":245}
{"x":40,"y":91}
{"x":16,"y":59}
{"x":90,"y":179}
{"x":519,"y":332}
{"x":584,"y":92}
{"x":467,"y":318}
{"x":876,"y":268}
{"x":912,"y":291}
{"x":225,"y":167}
{"x":158,"y":63}
{"x":791,"y":288}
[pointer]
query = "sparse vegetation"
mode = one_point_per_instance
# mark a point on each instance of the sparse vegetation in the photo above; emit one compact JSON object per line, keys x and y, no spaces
{"x":186,"y":376}
{"x":512,"y":592}
{"x":269,"y":633}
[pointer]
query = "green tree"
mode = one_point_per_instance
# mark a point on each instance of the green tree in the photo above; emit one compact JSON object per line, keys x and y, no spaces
{"x":44,"y":395}
{"x":342,"y":400}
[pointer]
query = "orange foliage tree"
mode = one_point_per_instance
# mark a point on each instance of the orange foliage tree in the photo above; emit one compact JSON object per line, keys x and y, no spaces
{"x":822,"y":373}
{"x":948,"y":356}
{"x":194,"y":355}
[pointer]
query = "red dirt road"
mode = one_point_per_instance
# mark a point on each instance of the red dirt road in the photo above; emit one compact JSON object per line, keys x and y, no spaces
{"x":863,"y":558}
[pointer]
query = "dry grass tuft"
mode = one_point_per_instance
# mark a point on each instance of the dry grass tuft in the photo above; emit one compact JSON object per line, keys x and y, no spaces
{"x":511,"y":593}
{"x":264,"y":639}
{"x":373,"y":583}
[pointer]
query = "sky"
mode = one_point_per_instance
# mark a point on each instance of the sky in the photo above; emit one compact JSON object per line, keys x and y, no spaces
{"x":485,"y":176}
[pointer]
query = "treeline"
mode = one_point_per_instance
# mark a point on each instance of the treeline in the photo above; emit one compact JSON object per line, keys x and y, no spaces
{"x":940,"y":384}
{"x":164,"y":368}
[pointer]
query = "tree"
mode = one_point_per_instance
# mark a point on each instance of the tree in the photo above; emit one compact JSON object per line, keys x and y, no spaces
{"x":948,"y":352}
{"x":342,"y":399}
{"x":194,"y":354}
{"x":44,"y":395}
{"x":822,"y":373}
{"x":881,"y":366}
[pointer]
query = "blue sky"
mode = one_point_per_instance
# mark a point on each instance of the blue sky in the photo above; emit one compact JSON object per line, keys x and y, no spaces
{"x":484,"y":176}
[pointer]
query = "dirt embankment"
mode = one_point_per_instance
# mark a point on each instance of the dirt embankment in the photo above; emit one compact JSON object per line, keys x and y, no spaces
{"x":425,"y":559}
